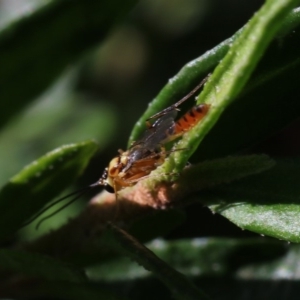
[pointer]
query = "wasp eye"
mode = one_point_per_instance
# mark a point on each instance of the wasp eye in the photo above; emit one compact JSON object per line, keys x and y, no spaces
{"x":109,"y":188}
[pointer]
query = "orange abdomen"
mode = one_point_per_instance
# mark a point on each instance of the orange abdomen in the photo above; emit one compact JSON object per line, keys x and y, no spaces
{"x":190,"y":119}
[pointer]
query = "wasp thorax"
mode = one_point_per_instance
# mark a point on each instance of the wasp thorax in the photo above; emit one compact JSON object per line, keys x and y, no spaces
{"x":114,"y":167}
{"x":117,"y":164}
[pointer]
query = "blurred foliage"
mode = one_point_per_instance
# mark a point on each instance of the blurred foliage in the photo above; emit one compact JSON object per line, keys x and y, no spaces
{"x":65,"y":79}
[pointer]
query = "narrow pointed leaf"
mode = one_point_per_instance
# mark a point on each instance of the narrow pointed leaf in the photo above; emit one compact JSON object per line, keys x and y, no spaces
{"x":232,"y":73}
{"x":223,"y":170}
{"x":267,"y":203}
{"x":38,"y":183}
{"x":179,"y":285}
{"x":270,"y":96}
{"x":196,"y":257}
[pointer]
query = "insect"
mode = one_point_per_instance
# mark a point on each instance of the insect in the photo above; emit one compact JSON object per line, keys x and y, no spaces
{"x":145,"y":154}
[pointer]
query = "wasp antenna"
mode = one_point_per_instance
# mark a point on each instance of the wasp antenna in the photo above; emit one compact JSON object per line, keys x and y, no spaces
{"x":58,"y":210}
{"x":78,"y":194}
{"x":95,"y":184}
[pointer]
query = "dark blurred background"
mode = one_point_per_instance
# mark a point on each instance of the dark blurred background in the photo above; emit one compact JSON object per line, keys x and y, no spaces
{"x":106,"y":92}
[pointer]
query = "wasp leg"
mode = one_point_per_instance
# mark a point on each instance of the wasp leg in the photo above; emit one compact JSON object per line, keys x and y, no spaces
{"x":118,"y":186}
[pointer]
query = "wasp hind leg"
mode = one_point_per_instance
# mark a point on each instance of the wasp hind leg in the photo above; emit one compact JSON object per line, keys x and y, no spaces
{"x":117,"y":187}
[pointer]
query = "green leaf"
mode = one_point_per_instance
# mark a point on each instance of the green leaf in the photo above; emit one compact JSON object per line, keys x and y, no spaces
{"x":267,"y":203}
{"x":211,"y":173}
{"x":268,"y":103}
{"x":38,"y":266}
{"x":179,"y":285}
{"x":270,"y":96}
{"x":27,"y":192}
{"x":223,"y":170}
{"x":36,"y":49}
{"x":232,"y":73}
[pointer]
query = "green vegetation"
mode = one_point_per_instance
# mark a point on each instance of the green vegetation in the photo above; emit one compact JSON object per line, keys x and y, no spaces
{"x":58,"y":73}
